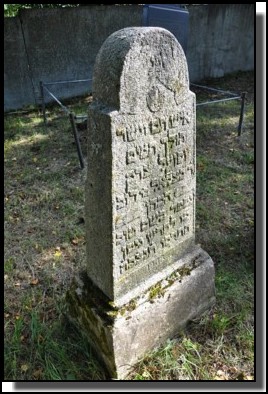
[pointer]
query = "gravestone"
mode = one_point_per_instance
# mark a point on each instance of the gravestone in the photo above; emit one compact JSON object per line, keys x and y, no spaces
{"x":145,"y":277}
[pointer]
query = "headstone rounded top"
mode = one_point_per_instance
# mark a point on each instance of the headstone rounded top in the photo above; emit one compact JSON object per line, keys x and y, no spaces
{"x":140,"y":69}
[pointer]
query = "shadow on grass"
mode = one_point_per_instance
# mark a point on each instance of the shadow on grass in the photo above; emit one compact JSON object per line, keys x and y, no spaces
{"x":45,"y":247}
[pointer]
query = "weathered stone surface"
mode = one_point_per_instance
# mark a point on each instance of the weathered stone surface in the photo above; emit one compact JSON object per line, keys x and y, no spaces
{"x":145,"y":276}
{"x":122,"y":336}
{"x":140,"y":193}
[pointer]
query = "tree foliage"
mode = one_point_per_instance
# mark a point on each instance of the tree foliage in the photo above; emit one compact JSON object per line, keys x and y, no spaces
{"x":13,"y":9}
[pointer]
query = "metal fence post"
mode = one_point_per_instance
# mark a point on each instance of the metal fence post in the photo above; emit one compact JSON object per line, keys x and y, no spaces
{"x":76,"y":137}
{"x":242,"y":111}
{"x":43,"y":103}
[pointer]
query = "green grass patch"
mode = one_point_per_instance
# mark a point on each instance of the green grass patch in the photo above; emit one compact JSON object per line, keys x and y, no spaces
{"x":45,"y":248}
{"x":38,"y":350}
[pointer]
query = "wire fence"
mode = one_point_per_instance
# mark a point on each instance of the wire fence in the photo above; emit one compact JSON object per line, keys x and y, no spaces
{"x":74,"y":119}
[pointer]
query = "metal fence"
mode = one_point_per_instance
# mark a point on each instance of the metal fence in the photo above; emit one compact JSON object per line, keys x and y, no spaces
{"x":234,"y":96}
{"x":75,"y":119}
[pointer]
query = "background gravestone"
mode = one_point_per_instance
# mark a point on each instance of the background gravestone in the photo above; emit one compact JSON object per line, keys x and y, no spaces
{"x":145,"y":276}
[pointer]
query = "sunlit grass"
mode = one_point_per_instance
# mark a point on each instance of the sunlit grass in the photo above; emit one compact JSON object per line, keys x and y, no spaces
{"x":45,"y":248}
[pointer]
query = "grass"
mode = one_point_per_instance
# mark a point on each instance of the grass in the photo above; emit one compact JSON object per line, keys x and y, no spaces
{"x":45,"y":247}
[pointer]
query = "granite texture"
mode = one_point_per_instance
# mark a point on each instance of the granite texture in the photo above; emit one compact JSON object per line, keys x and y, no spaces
{"x":122,"y":336}
{"x":145,"y":276}
{"x":140,"y":192}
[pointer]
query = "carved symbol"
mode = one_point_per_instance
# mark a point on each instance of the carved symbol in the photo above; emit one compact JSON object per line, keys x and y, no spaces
{"x":155,"y":99}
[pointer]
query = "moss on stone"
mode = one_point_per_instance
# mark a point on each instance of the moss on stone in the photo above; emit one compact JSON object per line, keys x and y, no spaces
{"x":184,"y":271}
{"x":156,"y":291}
{"x":131,"y":305}
{"x":113,"y":313}
{"x":90,"y":298}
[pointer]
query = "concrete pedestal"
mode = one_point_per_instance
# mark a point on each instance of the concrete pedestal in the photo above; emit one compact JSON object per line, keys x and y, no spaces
{"x":121,"y":337}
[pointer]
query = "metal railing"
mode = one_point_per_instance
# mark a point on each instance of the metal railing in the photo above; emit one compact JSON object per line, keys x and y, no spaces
{"x":234,"y":96}
{"x":72,"y":117}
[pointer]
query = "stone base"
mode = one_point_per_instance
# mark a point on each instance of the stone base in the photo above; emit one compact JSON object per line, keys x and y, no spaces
{"x":121,"y":337}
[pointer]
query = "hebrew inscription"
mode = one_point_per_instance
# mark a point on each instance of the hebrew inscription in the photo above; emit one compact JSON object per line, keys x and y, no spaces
{"x":155,"y":206}
{"x":140,"y":192}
